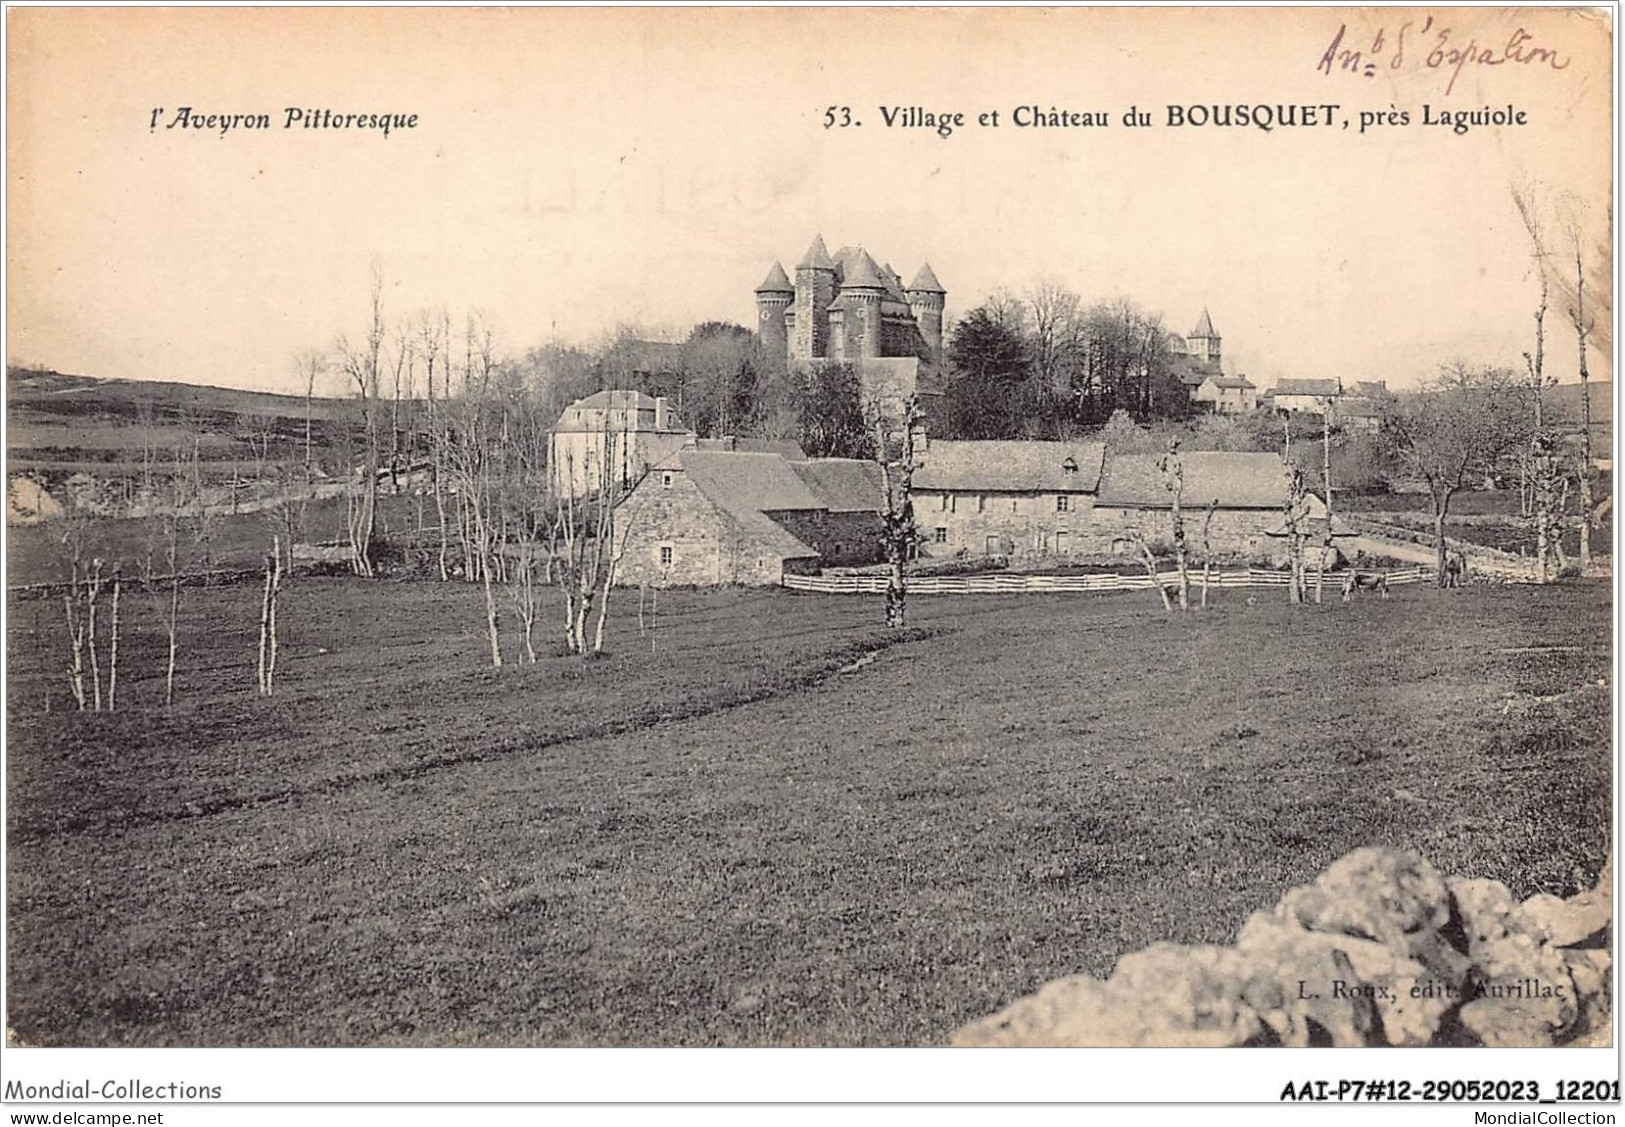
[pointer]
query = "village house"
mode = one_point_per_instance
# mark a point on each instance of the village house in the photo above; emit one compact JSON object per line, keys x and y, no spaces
{"x":1308,"y":397}
{"x":1246,"y":491}
{"x":1023,"y":500}
{"x":1227,"y":395}
{"x":621,"y":433}
{"x":721,"y":517}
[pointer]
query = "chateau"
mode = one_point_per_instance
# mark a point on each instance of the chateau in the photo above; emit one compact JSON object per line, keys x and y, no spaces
{"x":849,"y":308}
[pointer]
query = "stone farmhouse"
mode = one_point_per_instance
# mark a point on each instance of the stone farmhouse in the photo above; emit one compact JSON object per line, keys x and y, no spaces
{"x":1019,"y":499}
{"x":1357,"y":406}
{"x":1227,"y":395}
{"x":1247,"y":491}
{"x":718,"y":517}
{"x":1307,"y":397}
{"x":1046,"y":501}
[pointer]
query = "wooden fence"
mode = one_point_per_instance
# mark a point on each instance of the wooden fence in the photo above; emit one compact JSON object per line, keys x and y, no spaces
{"x":998,"y":583}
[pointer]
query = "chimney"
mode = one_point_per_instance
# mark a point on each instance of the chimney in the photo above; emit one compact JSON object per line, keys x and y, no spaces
{"x":660,"y":412}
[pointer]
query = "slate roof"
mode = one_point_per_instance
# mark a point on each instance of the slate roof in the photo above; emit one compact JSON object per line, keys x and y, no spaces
{"x":776,"y":281}
{"x":1204,"y":327}
{"x":1234,"y":480}
{"x":844,"y":485}
{"x":817,"y":256}
{"x":1232,"y":382}
{"x":1318,"y":388}
{"x":633,"y":408}
{"x":1191,"y":370}
{"x":926,"y":280}
{"x":785,"y":448}
{"x":859,"y":270}
{"x":1010,"y":467}
{"x":748,"y":486}
{"x":1371,"y":389}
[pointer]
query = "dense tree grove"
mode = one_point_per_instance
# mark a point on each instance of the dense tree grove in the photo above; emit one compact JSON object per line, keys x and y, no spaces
{"x":1046,"y":365}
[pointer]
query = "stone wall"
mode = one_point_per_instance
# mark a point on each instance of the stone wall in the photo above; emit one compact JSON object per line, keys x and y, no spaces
{"x":1379,"y":950}
{"x":1022,"y":526}
{"x":679,"y":517}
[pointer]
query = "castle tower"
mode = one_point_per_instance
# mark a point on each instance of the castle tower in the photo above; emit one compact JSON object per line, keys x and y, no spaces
{"x":773,"y":298}
{"x":815,"y":290}
{"x":1203,"y":341}
{"x":861,"y":293}
{"x":926,"y":298}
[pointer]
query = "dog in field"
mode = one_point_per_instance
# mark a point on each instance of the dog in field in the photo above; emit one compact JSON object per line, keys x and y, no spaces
{"x":1364,"y":581}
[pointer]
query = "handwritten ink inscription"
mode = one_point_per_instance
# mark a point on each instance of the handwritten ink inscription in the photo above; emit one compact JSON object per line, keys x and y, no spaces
{"x":1436,"y":47}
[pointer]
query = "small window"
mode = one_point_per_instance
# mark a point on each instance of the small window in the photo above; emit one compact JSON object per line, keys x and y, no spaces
{"x":665,"y":481}
{"x":953,"y":502}
{"x":981,"y":503}
{"x":1063,"y":503}
{"x":1015,"y":504}
{"x":941,"y":535}
{"x":1069,"y":468}
{"x":942,"y":502}
{"x":665,"y":555}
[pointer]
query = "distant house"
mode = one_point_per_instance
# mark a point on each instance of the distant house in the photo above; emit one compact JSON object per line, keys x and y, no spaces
{"x":719,"y":517}
{"x":1248,"y":494}
{"x":621,"y":433}
{"x":1018,"y":499}
{"x":1227,"y":395}
{"x":1306,"y":396}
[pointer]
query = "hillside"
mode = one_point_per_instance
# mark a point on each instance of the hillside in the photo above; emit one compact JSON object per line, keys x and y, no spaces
{"x":59,"y":424}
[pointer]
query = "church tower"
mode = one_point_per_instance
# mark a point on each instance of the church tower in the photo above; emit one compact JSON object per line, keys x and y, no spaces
{"x":1203,"y":341}
{"x":925,"y":299}
{"x":773,"y":298}
{"x":815,"y":290}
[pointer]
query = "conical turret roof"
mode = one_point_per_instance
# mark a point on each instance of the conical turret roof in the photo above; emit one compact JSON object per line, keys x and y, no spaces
{"x":864,"y":275}
{"x":776,"y":281}
{"x":1204,"y":327}
{"x":926,"y":281}
{"x":817,"y":256}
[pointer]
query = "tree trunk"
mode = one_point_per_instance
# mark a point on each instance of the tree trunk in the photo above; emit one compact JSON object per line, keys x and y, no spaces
{"x":265,"y":625}
{"x":276,"y":594}
{"x":93,"y":590}
{"x":112,"y":655}
{"x":174,"y":614}
{"x":491,"y":620}
{"x":76,"y":634}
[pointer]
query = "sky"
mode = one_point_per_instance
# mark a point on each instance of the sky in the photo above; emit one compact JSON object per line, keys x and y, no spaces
{"x":574,"y":169}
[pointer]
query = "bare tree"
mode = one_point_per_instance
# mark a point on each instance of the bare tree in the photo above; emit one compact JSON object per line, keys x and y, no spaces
{"x":895,"y":453}
{"x":1172,"y":467}
{"x":1452,"y":432}
{"x":1583,"y":322}
{"x":360,"y":366}
{"x":268,"y":629}
{"x":1297,"y":512}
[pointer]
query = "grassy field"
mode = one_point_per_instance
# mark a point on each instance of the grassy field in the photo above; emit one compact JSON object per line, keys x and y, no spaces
{"x":716,"y":836}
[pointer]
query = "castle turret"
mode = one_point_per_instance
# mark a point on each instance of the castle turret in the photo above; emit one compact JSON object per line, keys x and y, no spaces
{"x":926,"y":299}
{"x":861,"y":294}
{"x":1203,"y":341}
{"x":773,"y":298}
{"x":815,"y":289}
